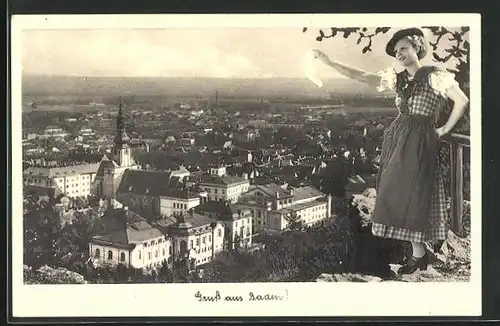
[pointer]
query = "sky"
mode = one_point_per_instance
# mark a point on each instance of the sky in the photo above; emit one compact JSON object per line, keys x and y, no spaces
{"x":203,"y":52}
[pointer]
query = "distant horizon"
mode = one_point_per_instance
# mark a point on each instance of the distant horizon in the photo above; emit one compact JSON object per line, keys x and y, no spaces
{"x":174,"y":77}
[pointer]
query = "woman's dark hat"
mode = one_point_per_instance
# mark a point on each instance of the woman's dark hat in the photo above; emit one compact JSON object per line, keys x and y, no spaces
{"x":389,"y":49}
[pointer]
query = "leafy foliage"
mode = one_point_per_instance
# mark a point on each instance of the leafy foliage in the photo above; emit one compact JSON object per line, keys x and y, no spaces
{"x":51,"y":241}
{"x":289,"y":257}
{"x":294,"y":222}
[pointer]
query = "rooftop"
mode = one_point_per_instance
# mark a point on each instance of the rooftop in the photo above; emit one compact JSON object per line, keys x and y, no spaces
{"x":272,"y":189}
{"x":225,"y":180}
{"x":222,"y":210}
{"x":298,"y":207}
{"x":187,"y":222}
{"x":155,"y":183}
{"x":62,"y":171}
{"x":126,"y":228}
{"x":306,"y":192}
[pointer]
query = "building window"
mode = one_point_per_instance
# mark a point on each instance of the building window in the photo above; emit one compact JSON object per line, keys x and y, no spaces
{"x":97,"y":253}
{"x":170,"y":250}
{"x":140,"y":256}
{"x":110,"y":255}
{"x":197,"y":241}
{"x":215,"y":190}
{"x":156,"y":254}
{"x":259,"y":214}
{"x":209,"y":238}
{"x":149,"y":255}
{"x":191,"y":244}
{"x":122,"y":256}
{"x":204,"y":240}
{"x":163,"y":251}
{"x":219,"y":233}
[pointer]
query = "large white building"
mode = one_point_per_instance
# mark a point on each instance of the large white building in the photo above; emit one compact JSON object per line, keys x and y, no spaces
{"x":131,"y":240}
{"x":222,"y":187}
{"x":72,"y":181}
{"x":194,"y":236}
{"x":237,"y":222}
{"x":271,"y":205}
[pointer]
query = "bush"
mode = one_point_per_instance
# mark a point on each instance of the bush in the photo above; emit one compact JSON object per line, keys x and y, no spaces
{"x":293,"y":256}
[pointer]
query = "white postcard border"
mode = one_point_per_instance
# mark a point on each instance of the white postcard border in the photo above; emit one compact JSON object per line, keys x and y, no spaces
{"x":303,"y":299}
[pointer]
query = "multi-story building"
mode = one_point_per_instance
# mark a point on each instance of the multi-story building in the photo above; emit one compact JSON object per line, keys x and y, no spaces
{"x":53,"y":132}
{"x":194,"y":236}
{"x":246,"y":135}
{"x":131,"y":240}
{"x":157,"y":193}
{"x":86,"y":132}
{"x":221,"y":187}
{"x":237,"y":222}
{"x":174,"y":201}
{"x":271,"y":205}
{"x":72,"y":181}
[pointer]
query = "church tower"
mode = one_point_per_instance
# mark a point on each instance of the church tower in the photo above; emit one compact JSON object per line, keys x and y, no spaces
{"x":111,"y":170}
{"x":121,"y":150}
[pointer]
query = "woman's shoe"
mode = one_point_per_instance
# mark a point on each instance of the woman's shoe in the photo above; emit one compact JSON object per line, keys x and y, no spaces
{"x":414,"y":264}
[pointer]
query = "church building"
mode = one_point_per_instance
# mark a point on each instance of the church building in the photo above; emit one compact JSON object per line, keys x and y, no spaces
{"x":111,"y":170}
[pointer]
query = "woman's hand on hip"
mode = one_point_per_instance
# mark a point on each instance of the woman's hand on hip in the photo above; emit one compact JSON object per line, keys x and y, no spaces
{"x":441,"y":132}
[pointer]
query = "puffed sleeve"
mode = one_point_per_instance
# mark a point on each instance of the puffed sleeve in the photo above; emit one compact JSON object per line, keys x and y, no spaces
{"x":387,"y":79}
{"x":441,"y":81}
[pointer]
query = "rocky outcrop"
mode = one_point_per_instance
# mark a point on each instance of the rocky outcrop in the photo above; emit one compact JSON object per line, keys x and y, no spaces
{"x":50,"y":275}
{"x":365,"y":203}
{"x":348,"y":277}
{"x":383,"y":257}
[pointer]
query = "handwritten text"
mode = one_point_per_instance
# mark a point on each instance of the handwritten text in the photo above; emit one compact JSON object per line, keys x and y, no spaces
{"x":250,"y":296}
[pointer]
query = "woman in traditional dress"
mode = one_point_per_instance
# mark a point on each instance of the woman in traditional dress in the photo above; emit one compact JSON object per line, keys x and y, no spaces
{"x":410,"y":203}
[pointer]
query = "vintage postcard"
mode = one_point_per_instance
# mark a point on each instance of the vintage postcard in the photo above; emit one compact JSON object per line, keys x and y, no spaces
{"x":246,"y":165}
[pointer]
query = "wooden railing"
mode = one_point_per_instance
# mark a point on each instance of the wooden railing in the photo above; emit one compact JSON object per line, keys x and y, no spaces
{"x":457,"y":142}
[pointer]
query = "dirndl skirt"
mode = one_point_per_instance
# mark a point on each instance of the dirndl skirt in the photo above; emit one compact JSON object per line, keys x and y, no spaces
{"x":411,"y":202}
